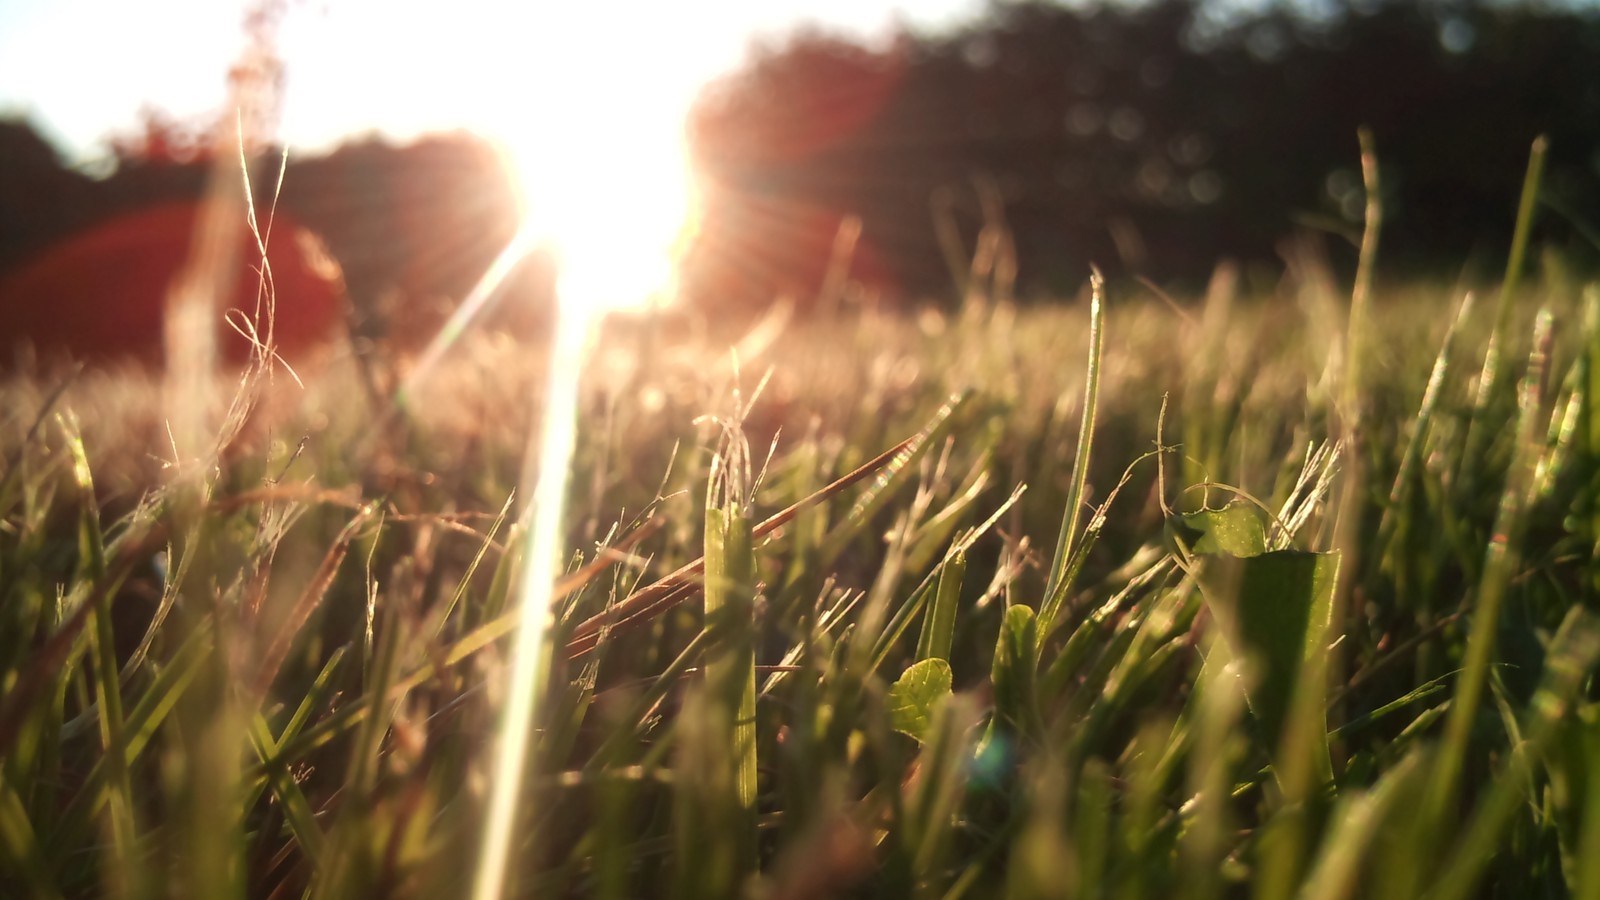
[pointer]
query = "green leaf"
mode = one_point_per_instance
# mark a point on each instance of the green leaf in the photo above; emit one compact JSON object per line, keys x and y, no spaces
{"x":1016,"y":662}
{"x":913,"y":699}
{"x":1275,"y":609}
{"x":1235,"y":530}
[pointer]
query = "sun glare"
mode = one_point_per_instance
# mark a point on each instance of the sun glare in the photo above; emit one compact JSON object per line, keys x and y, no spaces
{"x":594,"y":131}
{"x":596,"y":140}
{"x":615,"y":214}
{"x":590,"y":120}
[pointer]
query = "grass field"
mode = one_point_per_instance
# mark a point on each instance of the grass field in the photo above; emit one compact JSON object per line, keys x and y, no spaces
{"x":1248,"y":596}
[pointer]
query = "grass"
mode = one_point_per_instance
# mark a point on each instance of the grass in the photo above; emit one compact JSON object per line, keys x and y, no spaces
{"x":1107,"y":599}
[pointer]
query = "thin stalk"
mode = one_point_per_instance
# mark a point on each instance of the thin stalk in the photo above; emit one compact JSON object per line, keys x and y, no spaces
{"x":939,"y":622}
{"x":1327,"y":666}
{"x":730,"y":588}
{"x":731,"y":673}
{"x":1400,"y":490}
{"x":1519,"y":238}
{"x":1489,"y":381}
{"x":1361,"y":295}
{"x":1066,"y":544}
{"x":1500,"y":559}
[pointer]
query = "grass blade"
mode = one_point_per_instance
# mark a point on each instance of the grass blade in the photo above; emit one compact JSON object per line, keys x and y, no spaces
{"x":939,"y":622}
{"x":1500,"y":560}
{"x":1055,"y":592}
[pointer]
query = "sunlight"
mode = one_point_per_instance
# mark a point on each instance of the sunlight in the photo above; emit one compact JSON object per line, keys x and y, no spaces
{"x":616,"y":222}
{"x":550,"y":455}
{"x":616,"y":213}
{"x":598,"y":148}
{"x":595,"y":135}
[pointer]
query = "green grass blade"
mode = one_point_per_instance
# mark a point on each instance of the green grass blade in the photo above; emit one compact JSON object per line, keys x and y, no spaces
{"x":1527,"y":205}
{"x":1404,"y":480}
{"x":122,"y":853}
{"x":20,"y":847}
{"x":729,"y":595}
{"x":1500,"y":560}
{"x":942,"y":773}
{"x":939,"y":622}
{"x":1356,"y":820}
{"x":1491,"y":379}
{"x":348,"y":864}
{"x":1059,"y":582}
{"x":296,"y":809}
{"x":1587,"y":885}
{"x":1015,"y":675}
{"x":893,"y":477}
{"x":139,"y":730}
{"x":273,"y":760}
{"x":1574,"y":654}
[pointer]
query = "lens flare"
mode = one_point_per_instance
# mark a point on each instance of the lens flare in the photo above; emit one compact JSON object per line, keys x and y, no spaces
{"x":605,"y":186}
{"x":594,"y":129}
{"x":616,"y":213}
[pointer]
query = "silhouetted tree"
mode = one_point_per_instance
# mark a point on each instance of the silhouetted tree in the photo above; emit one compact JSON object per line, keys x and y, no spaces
{"x":413,"y":227}
{"x":40,"y":199}
{"x":1159,"y":137}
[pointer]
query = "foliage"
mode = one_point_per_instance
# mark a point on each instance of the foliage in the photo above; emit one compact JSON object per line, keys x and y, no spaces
{"x":1149,"y":138}
{"x":981,"y":661}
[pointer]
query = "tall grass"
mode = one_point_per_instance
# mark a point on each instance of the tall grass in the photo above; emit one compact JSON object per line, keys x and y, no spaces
{"x":1034,"y":602}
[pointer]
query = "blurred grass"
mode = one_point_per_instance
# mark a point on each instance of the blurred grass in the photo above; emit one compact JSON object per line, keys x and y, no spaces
{"x":997,"y":663}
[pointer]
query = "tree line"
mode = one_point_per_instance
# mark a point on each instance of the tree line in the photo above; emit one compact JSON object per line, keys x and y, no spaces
{"x":1148,"y":138}
{"x":1152,"y":139}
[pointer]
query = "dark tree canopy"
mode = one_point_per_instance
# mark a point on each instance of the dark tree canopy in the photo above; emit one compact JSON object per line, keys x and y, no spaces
{"x":1149,"y":138}
{"x":413,"y":227}
{"x":1152,"y":138}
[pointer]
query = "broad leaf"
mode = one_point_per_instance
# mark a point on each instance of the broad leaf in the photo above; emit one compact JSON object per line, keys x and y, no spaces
{"x":913,"y":699}
{"x":1275,"y":610}
{"x":1235,"y":530}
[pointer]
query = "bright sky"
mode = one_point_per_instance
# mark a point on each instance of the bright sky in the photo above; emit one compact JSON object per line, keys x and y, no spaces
{"x":81,"y":68}
{"x":587,"y":99}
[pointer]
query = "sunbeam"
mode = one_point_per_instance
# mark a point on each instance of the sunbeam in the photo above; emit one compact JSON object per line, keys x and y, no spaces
{"x":605,"y":187}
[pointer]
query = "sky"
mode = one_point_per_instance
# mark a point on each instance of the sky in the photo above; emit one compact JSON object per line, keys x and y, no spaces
{"x":81,"y":69}
{"x":586,"y":100}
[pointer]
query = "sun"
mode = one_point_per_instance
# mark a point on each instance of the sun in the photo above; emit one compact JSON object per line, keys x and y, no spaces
{"x":590,"y":119}
{"x":593,"y":127}
{"x":587,"y":102}
{"x":615,"y":210}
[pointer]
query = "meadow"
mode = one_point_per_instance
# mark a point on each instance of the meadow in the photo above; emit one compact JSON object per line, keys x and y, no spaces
{"x":1283,"y":593}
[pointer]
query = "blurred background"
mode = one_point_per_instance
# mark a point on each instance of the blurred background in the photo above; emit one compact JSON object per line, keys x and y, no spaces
{"x":876,"y":145}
